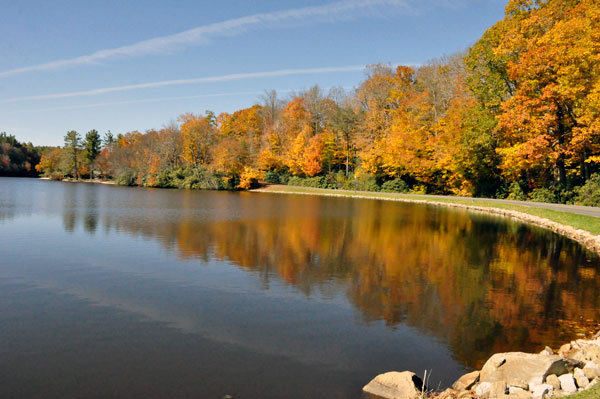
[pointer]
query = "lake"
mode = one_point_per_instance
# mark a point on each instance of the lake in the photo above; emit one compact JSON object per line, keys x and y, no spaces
{"x":110,"y":291}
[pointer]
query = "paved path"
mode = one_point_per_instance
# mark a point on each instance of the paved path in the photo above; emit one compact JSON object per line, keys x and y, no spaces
{"x":582,"y":210}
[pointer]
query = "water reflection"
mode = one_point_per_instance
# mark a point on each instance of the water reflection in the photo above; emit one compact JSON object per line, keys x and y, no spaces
{"x":479,"y":284}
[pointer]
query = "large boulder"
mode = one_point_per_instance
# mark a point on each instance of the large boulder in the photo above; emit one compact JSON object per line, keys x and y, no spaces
{"x":395,"y":385}
{"x":518,"y":366}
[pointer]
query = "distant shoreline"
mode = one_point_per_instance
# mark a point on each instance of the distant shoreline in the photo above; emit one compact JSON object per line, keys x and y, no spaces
{"x":71,"y":180}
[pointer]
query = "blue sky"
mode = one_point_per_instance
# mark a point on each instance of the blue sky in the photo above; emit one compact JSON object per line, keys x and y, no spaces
{"x":136,"y":65}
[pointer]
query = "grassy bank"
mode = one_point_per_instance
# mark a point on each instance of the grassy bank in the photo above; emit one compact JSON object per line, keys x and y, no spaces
{"x":592,"y":393}
{"x":590,"y":224}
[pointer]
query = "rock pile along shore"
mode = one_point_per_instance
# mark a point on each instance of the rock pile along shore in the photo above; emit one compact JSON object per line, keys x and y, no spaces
{"x":516,"y":375}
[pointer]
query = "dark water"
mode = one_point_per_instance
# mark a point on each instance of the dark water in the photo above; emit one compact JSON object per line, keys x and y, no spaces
{"x":126,"y":292}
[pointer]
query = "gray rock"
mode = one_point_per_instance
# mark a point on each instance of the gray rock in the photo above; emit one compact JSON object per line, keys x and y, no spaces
{"x":483,"y":389}
{"x":395,"y":385}
{"x":466,"y":381}
{"x":553,"y":380}
{"x":521,"y":366}
{"x":567,"y":383}
{"x":541,"y":390}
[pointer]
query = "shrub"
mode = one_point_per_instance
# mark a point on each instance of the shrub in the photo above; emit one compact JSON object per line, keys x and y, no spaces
{"x":166,"y":178}
{"x":515,"y":192}
{"x":284,"y":178}
{"x":207,"y":180}
{"x":56,"y":176}
{"x":314,"y":182}
{"x":336,"y":180}
{"x":127,"y":178}
{"x":362,"y":183}
{"x":272,"y":177}
{"x":395,"y":186}
{"x":589,"y":193}
{"x":543,"y":195}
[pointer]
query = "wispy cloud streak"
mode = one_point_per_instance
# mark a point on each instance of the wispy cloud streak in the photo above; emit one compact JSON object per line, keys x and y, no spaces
{"x":208,"y":79}
{"x":166,"y":99}
{"x":202,"y":35}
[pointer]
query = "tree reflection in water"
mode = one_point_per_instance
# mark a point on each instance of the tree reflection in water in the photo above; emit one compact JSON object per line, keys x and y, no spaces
{"x":480,"y":283}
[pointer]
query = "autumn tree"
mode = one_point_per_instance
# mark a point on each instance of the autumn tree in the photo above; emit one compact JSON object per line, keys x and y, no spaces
{"x":543,"y":69}
{"x":198,"y":136}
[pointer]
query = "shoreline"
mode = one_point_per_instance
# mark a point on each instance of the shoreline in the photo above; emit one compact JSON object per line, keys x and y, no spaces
{"x":586,"y":238}
{"x":70,"y":180}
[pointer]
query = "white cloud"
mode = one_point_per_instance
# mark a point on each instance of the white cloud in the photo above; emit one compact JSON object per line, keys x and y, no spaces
{"x":222,"y":78}
{"x":202,"y":35}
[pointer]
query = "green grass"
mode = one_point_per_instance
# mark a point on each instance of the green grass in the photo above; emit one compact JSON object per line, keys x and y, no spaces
{"x":593,"y":393}
{"x":583,"y":222}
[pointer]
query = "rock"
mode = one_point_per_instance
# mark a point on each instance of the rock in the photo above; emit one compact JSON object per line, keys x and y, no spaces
{"x":564,"y":349}
{"x":483,"y":389}
{"x":591,"y":370}
{"x":541,"y":390}
{"x":452,"y":394}
{"x":519,"y":384}
{"x":447,"y":394}
{"x":520,"y":394}
{"x":395,"y":385}
{"x":464,"y":395}
{"x":547,"y":351}
{"x":497,"y":390}
{"x":514,"y":392}
{"x":466,"y":381}
{"x":553,"y":380}
{"x":567,"y":383}
{"x":580,"y":378}
{"x":519,"y":366}
{"x":535,"y":381}
{"x":591,"y":353}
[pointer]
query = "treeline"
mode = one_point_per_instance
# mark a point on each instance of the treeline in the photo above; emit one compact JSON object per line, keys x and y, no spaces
{"x":514,"y":116}
{"x":17,"y":159}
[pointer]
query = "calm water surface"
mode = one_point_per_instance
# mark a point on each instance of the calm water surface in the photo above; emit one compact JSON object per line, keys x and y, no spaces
{"x":127,"y":292}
